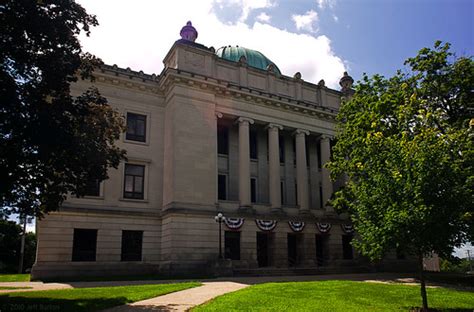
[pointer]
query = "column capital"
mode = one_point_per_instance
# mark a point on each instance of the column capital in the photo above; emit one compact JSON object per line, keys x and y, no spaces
{"x":298,"y":132}
{"x":245,"y":119}
{"x":326,"y":137}
{"x":274,"y":126}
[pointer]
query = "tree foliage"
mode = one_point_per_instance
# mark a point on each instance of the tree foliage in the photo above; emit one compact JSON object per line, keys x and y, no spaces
{"x":10,"y":244}
{"x":407,"y":147}
{"x":51,"y":143}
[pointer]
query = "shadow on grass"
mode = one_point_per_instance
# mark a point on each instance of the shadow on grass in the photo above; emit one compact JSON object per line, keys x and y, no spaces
{"x":8,"y":303}
{"x":149,"y":277}
{"x":418,"y":309}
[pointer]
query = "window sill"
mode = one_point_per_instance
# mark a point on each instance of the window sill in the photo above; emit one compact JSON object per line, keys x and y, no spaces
{"x":133,"y":200}
{"x":93,"y":197}
{"x":146,"y":143}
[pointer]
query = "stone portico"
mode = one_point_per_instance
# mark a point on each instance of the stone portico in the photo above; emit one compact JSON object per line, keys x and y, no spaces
{"x":215,"y":132}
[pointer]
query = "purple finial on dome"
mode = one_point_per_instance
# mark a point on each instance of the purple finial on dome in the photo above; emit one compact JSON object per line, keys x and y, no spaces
{"x":188,"y":32}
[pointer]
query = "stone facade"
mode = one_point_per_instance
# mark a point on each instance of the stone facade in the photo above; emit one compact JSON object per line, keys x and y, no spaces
{"x":285,"y":121}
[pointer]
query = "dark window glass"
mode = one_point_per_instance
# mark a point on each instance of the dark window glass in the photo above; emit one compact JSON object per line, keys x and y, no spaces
{"x":253,"y":190}
{"x":400,"y":254}
{"x":134,"y":181}
{"x":93,"y":188}
{"x":318,"y":151}
{"x":347,"y":247}
{"x":322,"y":247}
{"x":281,"y":147}
{"x":84,"y":245}
{"x":321,"y":204}
{"x":282,"y":192}
{"x":136,"y":127}
{"x":222,"y":187}
{"x":232,"y":245}
{"x":294,"y":151}
{"x":223,"y":140}
{"x":253,"y":144}
{"x":307,"y":153}
{"x":132,"y":245}
{"x":296,"y":194}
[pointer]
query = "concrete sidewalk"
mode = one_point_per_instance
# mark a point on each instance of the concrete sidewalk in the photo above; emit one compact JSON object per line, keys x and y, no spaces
{"x":181,"y":300}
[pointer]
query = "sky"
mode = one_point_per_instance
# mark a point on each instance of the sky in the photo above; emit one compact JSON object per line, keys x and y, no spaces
{"x":319,"y":38}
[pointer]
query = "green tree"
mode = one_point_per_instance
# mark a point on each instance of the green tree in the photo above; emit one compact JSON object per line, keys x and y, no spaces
{"x":10,"y":242}
{"x":51,"y":143}
{"x":406,"y":146}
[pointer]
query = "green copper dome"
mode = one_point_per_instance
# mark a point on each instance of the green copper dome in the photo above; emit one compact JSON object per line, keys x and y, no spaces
{"x":254,"y":58}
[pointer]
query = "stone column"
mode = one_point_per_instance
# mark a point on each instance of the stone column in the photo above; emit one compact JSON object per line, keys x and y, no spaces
{"x":301,"y":170}
{"x":274,"y":166}
{"x":326,"y":180}
{"x":244,"y":161}
{"x":218,"y":116}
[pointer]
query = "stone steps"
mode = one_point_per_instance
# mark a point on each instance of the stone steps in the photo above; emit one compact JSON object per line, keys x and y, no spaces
{"x":272,"y":271}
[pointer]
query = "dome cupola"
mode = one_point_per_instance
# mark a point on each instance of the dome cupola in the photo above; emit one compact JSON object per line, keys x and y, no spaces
{"x":253,"y":58}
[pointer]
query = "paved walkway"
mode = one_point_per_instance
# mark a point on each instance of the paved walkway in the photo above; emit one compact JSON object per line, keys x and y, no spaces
{"x":181,"y":300}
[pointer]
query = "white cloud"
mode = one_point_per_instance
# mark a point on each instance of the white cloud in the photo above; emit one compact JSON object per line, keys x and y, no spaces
{"x":246,"y":6}
{"x":306,"y":21}
{"x":322,"y":4}
{"x":335,"y":18}
{"x":264,"y":17}
{"x":139,"y":36}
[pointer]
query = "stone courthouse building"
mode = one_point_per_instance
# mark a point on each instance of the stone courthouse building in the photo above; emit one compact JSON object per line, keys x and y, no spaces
{"x":217,"y":131}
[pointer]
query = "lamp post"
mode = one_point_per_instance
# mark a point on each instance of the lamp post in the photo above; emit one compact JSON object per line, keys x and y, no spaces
{"x":220,"y":218}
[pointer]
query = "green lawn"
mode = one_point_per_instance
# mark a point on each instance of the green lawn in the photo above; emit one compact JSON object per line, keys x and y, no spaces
{"x":14,"y":278}
{"x":84,"y":299}
{"x":337,"y":296}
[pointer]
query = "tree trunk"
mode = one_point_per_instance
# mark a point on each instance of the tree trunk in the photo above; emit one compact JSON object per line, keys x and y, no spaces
{"x":422,"y":282}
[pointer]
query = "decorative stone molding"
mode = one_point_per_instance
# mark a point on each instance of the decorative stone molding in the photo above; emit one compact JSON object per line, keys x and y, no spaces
{"x":274,"y":126}
{"x":245,"y":119}
{"x":300,"y":132}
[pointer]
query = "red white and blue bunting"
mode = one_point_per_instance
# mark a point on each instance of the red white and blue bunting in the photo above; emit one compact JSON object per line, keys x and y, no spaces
{"x":266,"y":225}
{"x":323,"y":227}
{"x":234,"y":223}
{"x":296,"y":226}
{"x":347,"y":228}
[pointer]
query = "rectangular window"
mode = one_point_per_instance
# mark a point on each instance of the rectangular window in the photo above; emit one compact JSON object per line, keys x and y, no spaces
{"x":93,"y":188}
{"x":132,"y":245}
{"x":222,"y":187}
{"x":253,"y":190}
{"x":318,"y":152}
{"x":136,"y":127}
{"x":84,"y":245}
{"x":321,"y":204}
{"x":281,"y":147}
{"x":322,"y":249}
{"x":282,"y":192}
{"x":232,"y":245}
{"x":253,"y":144}
{"x":134,"y":181}
{"x":296,"y":194}
{"x":294,"y":151}
{"x":347,"y":247}
{"x":222,"y":140}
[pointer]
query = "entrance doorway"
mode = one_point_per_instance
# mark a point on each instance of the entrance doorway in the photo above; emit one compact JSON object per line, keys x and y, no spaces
{"x":294,"y":248}
{"x":263,"y":249}
{"x":322,"y":249}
